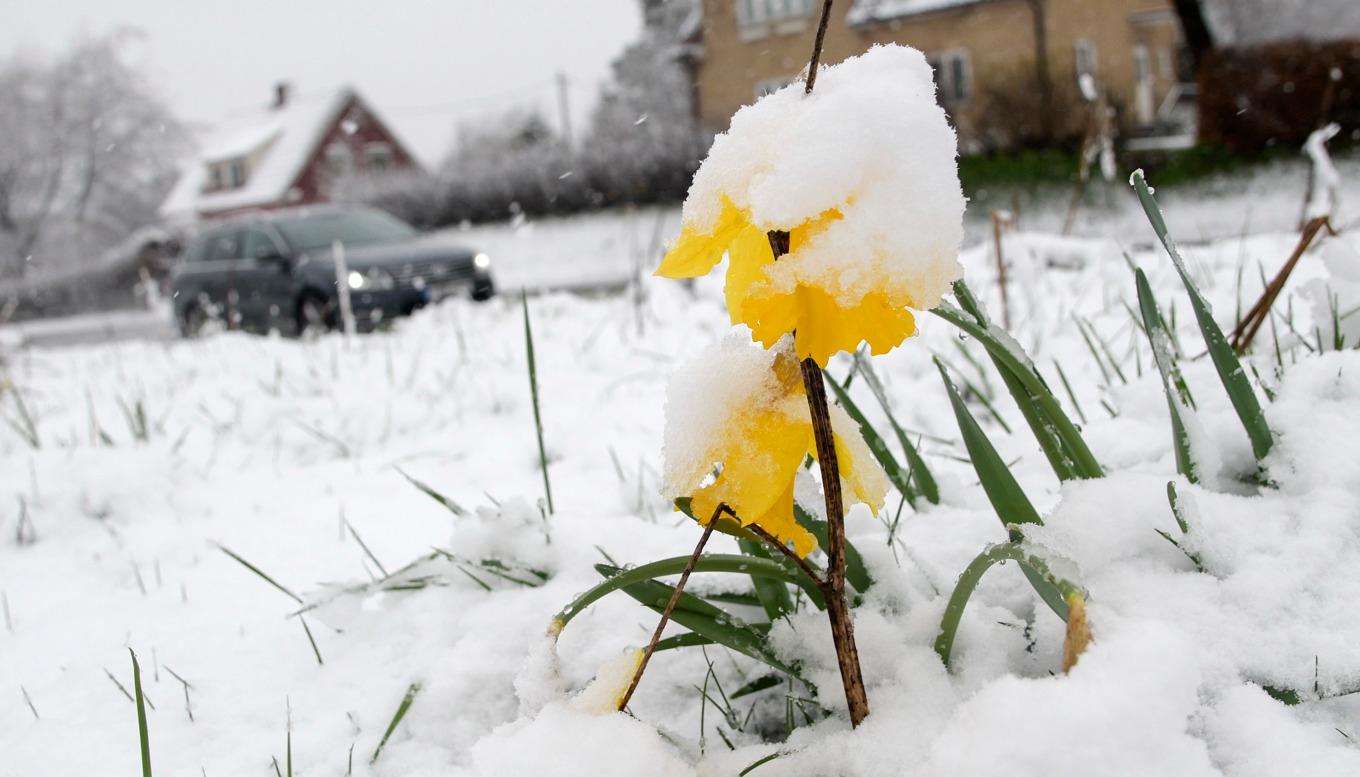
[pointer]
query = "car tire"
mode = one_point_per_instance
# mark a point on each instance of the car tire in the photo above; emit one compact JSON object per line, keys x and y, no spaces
{"x":191,"y":321}
{"x":483,"y":290}
{"x":313,"y":316}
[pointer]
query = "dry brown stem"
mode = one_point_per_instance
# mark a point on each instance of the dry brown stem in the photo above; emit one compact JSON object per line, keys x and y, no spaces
{"x":670,"y":605}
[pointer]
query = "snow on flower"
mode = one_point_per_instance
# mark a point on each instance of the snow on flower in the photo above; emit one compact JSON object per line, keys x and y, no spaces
{"x":862,"y":175}
{"x":742,"y":411}
{"x":603,"y":694}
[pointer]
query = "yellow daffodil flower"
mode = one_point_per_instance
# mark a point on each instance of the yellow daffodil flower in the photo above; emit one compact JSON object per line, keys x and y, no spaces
{"x":822,"y":322}
{"x":759,"y":449}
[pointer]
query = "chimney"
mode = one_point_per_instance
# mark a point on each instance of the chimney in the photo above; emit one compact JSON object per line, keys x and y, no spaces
{"x":282,"y":90}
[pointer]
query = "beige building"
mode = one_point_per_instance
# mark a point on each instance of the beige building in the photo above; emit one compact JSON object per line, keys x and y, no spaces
{"x":1007,"y":70}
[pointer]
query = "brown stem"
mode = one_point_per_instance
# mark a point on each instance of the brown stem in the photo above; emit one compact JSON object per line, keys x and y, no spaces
{"x":817,"y":46}
{"x":837,"y":606}
{"x":997,"y":223}
{"x":670,"y":606}
{"x":802,"y":564}
{"x":833,"y":585}
{"x":1251,"y":322}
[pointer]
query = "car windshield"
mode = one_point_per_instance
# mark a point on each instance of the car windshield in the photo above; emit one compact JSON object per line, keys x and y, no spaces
{"x":351,"y":227}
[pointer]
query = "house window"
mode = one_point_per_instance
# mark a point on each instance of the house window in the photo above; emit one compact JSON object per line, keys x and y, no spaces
{"x":953,"y":76}
{"x":765,"y":11}
{"x":339,"y":161}
{"x":236,"y":173}
{"x":378,"y":157}
{"x":1085,"y":57}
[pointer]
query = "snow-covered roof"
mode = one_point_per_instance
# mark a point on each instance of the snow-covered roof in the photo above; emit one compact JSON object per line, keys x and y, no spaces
{"x":869,"y":11}
{"x":1253,"y":22}
{"x":292,"y":133}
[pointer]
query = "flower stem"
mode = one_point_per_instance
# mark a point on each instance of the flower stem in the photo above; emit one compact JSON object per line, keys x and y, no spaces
{"x":833,"y":584}
{"x":837,"y":606}
{"x":670,"y":605}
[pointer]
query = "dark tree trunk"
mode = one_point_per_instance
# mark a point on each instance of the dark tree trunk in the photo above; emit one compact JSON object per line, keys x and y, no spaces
{"x":1198,"y":39}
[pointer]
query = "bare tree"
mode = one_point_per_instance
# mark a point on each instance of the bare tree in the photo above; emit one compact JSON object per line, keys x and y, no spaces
{"x":88,"y":152}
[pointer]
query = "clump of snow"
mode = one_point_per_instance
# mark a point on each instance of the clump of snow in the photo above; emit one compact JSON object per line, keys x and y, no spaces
{"x":1335,"y":299}
{"x":603,"y":694}
{"x":870,"y":142}
{"x":1325,"y":179}
{"x":565,"y":742}
{"x":704,"y":395}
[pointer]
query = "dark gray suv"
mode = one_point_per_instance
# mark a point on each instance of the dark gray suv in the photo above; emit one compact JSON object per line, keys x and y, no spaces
{"x":275,"y":270}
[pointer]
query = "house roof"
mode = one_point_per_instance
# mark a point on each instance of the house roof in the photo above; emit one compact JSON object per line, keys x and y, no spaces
{"x":871,"y":11}
{"x":1253,"y":22}
{"x":292,"y":133}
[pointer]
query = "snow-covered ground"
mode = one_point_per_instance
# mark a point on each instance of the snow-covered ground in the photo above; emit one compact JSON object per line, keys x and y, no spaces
{"x":287,"y":453}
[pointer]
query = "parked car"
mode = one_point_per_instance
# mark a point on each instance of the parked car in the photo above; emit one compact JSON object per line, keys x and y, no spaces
{"x":275,"y":270}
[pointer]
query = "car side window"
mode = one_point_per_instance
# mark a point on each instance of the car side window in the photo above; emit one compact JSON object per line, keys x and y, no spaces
{"x":259,"y":244}
{"x":223,"y":246}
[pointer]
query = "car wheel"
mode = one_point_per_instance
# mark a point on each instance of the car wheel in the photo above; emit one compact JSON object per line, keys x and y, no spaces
{"x":483,"y":290}
{"x":313,"y":316}
{"x":191,"y":322}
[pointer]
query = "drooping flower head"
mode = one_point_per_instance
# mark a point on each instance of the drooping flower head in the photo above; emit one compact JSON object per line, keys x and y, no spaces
{"x":862,"y":175}
{"x":737,"y":431}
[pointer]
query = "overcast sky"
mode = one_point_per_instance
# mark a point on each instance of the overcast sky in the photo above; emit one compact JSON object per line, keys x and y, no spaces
{"x":425,"y":64}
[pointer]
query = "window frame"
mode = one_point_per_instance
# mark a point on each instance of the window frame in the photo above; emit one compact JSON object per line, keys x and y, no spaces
{"x":953,"y":63}
{"x":1086,"y":57}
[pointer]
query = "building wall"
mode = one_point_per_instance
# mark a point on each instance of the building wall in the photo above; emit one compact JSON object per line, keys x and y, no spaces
{"x":998,"y":36}
{"x":355,"y":128}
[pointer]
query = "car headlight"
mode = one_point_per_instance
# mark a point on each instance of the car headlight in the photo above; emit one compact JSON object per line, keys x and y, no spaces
{"x":481,"y":261}
{"x":370,"y":280}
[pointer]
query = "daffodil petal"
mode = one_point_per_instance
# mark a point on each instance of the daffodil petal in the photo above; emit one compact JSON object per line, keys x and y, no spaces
{"x":695,"y":253}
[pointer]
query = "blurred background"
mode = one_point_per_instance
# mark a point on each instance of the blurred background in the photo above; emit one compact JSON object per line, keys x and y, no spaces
{"x":559,"y":138}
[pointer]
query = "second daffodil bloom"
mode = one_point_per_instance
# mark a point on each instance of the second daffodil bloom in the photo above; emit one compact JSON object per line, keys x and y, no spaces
{"x":862,"y":175}
{"x":737,"y":432}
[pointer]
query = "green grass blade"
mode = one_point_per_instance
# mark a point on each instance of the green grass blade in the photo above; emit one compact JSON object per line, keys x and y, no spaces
{"x":143,"y":739}
{"x":1071,"y":395}
{"x":261,"y":574}
{"x":688,"y":639}
{"x":856,"y":573}
{"x":757,"y":685}
{"x":773,"y":594}
{"x":920,"y":473}
{"x":1091,"y":347}
{"x":1005,"y":494}
{"x":402,"y":709}
{"x":730,"y":563}
{"x":1052,"y":589}
{"x":703,"y":618}
{"x":1057,"y":435}
{"x":533,"y":392}
{"x":448,"y":503}
{"x":901,"y":479}
{"x":1178,"y":399}
{"x":1229,"y":369}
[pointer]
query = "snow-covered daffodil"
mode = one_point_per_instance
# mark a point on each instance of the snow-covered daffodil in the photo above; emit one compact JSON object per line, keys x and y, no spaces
{"x":861,"y":174}
{"x":748,"y":451}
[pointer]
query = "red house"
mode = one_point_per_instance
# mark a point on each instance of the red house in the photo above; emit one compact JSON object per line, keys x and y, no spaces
{"x":298,"y":151}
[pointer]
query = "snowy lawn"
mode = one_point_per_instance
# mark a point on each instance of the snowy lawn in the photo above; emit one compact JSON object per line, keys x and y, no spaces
{"x":290,"y":455}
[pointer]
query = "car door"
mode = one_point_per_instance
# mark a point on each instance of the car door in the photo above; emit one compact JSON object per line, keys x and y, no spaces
{"x":214,"y":273}
{"x":265,"y":280}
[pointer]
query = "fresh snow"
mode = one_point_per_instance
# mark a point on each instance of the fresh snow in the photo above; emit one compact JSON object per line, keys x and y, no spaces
{"x":791,"y":158}
{"x":267,"y":447}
